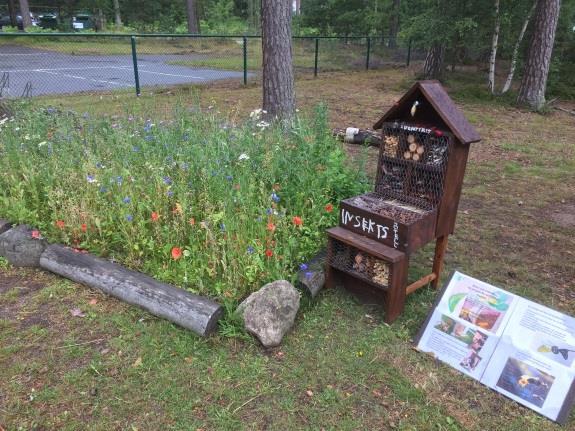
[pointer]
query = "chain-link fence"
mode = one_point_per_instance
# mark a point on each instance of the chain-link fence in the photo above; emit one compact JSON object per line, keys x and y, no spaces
{"x":51,"y":64}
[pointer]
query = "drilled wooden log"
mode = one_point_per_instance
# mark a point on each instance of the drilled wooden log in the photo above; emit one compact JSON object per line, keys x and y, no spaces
{"x":176,"y":305}
{"x":367,"y":137}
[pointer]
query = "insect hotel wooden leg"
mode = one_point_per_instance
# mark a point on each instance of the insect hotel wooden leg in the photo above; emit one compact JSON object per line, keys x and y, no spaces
{"x":440,"y":249}
{"x":395,"y":295}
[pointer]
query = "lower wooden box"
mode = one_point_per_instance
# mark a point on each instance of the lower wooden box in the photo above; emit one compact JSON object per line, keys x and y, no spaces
{"x":367,"y":268}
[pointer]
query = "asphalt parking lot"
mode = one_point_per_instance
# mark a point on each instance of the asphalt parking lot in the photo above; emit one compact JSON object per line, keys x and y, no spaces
{"x":30,"y":72}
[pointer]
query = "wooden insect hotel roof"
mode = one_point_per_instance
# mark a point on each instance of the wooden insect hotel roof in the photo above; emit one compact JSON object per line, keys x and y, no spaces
{"x":439,"y":111}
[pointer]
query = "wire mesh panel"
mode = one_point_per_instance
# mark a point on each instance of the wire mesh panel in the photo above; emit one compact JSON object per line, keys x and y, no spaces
{"x":165,"y":61}
{"x":359,"y":264}
{"x":49,"y":65}
{"x":412,"y":163}
{"x":402,"y":211}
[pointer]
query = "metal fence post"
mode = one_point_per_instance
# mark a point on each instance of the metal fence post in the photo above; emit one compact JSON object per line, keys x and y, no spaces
{"x":245,"y":60}
{"x":135,"y":63}
{"x":316,"y":56}
{"x":408,"y":53}
{"x":367,"y":53}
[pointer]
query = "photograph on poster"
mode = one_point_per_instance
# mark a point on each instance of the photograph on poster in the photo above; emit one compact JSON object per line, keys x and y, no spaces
{"x":525,"y":381}
{"x":557,"y":351}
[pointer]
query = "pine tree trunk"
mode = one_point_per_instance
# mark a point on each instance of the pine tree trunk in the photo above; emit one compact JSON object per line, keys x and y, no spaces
{"x":12,"y":13}
{"x":433,"y":67}
{"x":278,"y":78}
{"x":509,"y":79}
{"x":534,"y":82}
{"x":193,"y":26}
{"x":494,"y":44}
{"x":394,"y":23}
{"x":25,"y":12}
{"x":117,"y":16}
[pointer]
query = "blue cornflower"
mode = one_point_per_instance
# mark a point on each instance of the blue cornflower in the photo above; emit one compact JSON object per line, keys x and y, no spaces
{"x":119,"y":180}
{"x":86,"y":115}
{"x":50,"y":110}
{"x":308,"y":274}
{"x":259,"y":219}
{"x":167,"y":180}
{"x":269,"y":211}
{"x":90,"y":178}
{"x":184,"y":166}
{"x":148,"y":126}
{"x":229,"y":177}
{"x":222,"y":227}
{"x":250,"y":250}
{"x":274,"y":197}
{"x":214,"y":173}
{"x":99,"y":165}
{"x":170,"y":193}
{"x":186,"y":137}
{"x":126,"y":200}
{"x":303,"y":267}
{"x":135,"y":148}
{"x":129,"y":217}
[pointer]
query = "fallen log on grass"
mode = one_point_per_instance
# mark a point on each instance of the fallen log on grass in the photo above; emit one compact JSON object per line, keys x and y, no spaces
{"x":355,"y":136}
{"x":176,"y":305}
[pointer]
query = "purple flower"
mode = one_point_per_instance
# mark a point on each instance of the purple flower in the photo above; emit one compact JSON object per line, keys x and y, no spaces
{"x":167,"y":180}
{"x":229,"y":177}
{"x":149,"y":138}
{"x":119,"y":180}
{"x":274,"y":197}
{"x":129,"y":217}
{"x":126,"y":200}
{"x":308,"y":274}
{"x":250,"y":250}
{"x":90,"y":178}
{"x":222,"y":227}
{"x":269,"y":211}
{"x":170,"y":193}
{"x":303,"y":267}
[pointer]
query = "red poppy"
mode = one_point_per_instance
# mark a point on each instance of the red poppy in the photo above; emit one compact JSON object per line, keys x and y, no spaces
{"x":329,"y":208}
{"x":176,"y":253}
{"x":269,"y":253}
{"x":271,"y":227}
{"x":36,"y":234}
{"x":60,"y":224}
{"x":155,"y":216}
{"x":297,"y":221}
{"x":84,"y":227}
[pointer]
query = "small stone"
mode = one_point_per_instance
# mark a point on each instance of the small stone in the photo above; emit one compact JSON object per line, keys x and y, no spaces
{"x":270,"y":312}
{"x":20,"y":248}
{"x":520,"y":203}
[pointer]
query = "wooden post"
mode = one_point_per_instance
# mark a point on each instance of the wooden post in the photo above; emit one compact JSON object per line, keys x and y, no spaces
{"x":395,"y":295}
{"x":440,"y":248}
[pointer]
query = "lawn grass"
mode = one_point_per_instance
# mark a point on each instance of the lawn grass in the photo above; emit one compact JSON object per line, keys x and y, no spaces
{"x":341,"y":367}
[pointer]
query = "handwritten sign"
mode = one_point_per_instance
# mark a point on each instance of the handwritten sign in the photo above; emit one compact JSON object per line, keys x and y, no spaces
{"x":366,"y":224}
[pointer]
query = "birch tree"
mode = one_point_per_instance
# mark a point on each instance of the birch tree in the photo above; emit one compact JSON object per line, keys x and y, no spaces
{"x":494,"y":44}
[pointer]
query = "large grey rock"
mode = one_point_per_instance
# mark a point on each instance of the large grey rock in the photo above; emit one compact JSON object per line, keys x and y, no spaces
{"x":311,"y":275}
{"x":270,"y":312}
{"x":20,"y":248}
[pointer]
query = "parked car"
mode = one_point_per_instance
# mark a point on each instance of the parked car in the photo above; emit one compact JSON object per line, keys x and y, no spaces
{"x":5,"y":21}
{"x":83,"y":21}
{"x":48,"y":20}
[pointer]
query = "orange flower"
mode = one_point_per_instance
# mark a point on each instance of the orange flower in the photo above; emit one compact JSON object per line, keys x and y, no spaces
{"x":84,"y":227}
{"x":269,"y":253}
{"x":297,"y":221}
{"x":192,"y":221}
{"x":60,"y":224}
{"x":176,"y":253}
{"x":155,"y":216}
{"x":329,"y":208}
{"x":271,"y":227}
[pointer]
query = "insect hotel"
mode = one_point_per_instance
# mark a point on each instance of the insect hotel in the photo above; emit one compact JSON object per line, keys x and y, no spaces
{"x":423,"y":153}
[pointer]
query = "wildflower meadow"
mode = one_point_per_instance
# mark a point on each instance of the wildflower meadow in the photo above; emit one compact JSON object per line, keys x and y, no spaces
{"x":199,"y":201}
